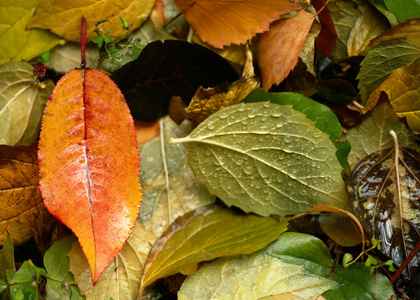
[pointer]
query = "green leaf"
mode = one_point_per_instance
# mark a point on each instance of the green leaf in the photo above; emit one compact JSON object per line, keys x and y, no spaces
{"x":267,"y":159}
{"x":205,"y":234}
{"x":372,"y":134}
{"x":124,"y":22}
{"x":313,"y":254}
{"x":22,"y":103}
{"x":325,"y":120}
{"x":7,"y":258}
{"x":382,"y":60}
{"x":16,"y":42}
{"x":380,"y":5}
{"x":404,"y":9}
{"x":57,"y":264}
{"x":24,"y":283}
{"x":98,"y":40}
{"x":253,"y":276}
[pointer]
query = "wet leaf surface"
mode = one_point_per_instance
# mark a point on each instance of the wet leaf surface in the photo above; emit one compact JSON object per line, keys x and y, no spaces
{"x":89,"y":164}
{"x":385,"y":198}
{"x":169,"y":68}
{"x":266,"y":158}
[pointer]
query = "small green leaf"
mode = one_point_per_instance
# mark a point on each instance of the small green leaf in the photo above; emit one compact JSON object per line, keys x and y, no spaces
{"x":382,"y":60}
{"x":24,"y":283}
{"x":107,"y":38}
{"x":307,"y":250}
{"x":98,"y":40}
{"x":267,"y":159}
{"x":205,"y":234}
{"x":253,"y":276}
{"x":57,"y":264}
{"x":124,"y":22}
{"x":390,"y":264}
{"x":347,"y":258}
{"x":370,"y":261}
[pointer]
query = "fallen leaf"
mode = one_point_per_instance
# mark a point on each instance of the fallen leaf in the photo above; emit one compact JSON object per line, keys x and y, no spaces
{"x":403,"y":90}
{"x":409,"y":29}
{"x":220,"y":23}
{"x":367,"y":27}
{"x":56,"y":264}
{"x":267,"y":159}
{"x":403,"y":10}
{"x":67,"y":57}
{"x":63,"y":17}
{"x":169,"y":68}
{"x":299,"y":81}
{"x":371,"y":135}
{"x":21,"y":202}
{"x":384,"y":190}
{"x":309,"y":251}
{"x":206,"y":102}
{"x":146,"y":130}
{"x":169,"y":186}
{"x":22,"y":102}
{"x":121,"y":279}
{"x":344,"y":15}
{"x":253,"y":276}
{"x":307,"y":52}
{"x":341,"y":229}
{"x":382,"y":60}
{"x":17,"y":43}
{"x":278,"y":49}
{"x":325,"y":120}
{"x":327,"y":36}
{"x":89,"y":162}
{"x":205,"y":234}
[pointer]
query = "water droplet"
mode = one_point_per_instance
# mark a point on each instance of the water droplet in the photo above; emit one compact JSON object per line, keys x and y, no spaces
{"x":248,"y":170}
{"x":252,"y":114}
{"x":317,"y":134}
{"x":288,"y":138}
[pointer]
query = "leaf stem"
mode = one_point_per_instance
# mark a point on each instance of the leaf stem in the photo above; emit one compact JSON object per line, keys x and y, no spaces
{"x":165,"y":168}
{"x":405,"y":263}
{"x":83,"y":44}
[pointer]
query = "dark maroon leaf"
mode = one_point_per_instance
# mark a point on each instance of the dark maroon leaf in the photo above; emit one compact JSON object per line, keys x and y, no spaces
{"x":166,"y":69}
{"x":385,"y":198}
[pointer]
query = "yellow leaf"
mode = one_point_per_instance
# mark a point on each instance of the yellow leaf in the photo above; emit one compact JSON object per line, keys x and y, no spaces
{"x":64,"y":17}
{"x":278,"y":49}
{"x":206,"y":102}
{"x":221,"y":23}
{"x":403,"y":90}
{"x":16,"y":43}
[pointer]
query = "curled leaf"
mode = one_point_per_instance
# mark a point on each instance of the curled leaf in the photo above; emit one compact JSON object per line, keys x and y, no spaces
{"x":384,"y":189}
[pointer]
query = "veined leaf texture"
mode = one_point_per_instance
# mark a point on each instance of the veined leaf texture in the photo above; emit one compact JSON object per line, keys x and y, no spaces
{"x":89,"y":164}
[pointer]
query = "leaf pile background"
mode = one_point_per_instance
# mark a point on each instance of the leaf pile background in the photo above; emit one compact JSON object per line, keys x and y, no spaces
{"x":252,"y":118}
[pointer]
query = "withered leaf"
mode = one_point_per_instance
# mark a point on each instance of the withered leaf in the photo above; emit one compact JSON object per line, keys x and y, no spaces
{"x":166,"y":69}
{"x":385,"y":197}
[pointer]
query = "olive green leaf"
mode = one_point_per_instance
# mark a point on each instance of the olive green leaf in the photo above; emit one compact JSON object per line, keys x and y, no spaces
{"x":252,"y":277}
{"x":309,"y":251}
{"x":382,"y":60}
{"x":22,"y":103}
{"x":205,"y":234}
{"x":267,"y":159}
{"x":404,"y":9}
{"x":372,"y":135}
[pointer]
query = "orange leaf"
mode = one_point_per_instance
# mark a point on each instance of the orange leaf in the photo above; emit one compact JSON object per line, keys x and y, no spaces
{"x":221,"y":23}
{"x":278,"y":49}
{"x":89,"y":164}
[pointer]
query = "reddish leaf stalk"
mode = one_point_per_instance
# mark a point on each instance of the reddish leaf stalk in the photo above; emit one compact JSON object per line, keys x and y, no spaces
{"x":405,"y":263}
{"x":83,"y":43}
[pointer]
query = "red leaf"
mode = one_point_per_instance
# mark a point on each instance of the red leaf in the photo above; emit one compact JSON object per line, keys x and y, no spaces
{"x":89,"y":164}
{"x":327,"y":37}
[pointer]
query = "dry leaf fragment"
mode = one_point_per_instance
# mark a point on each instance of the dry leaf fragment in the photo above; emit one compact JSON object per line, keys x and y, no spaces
{"x":384,"y":189}
{"x":221,"y":23}
{"x":278,"y":49}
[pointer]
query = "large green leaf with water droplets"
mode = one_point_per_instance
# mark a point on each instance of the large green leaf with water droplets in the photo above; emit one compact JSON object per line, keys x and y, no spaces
{"x":266,"y":159}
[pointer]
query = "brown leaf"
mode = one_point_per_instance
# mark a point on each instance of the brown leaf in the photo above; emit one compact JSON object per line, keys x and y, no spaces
{"x":221,"y":23}
{"x":20,"y":199}
{"x":146,"y":130}
{"x":278,"y":49}
{"x":384,"y":192}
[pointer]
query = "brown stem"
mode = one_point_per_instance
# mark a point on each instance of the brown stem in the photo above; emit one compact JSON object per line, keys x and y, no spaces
{"x":405,"y":263}
{"x":83,"y":44}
